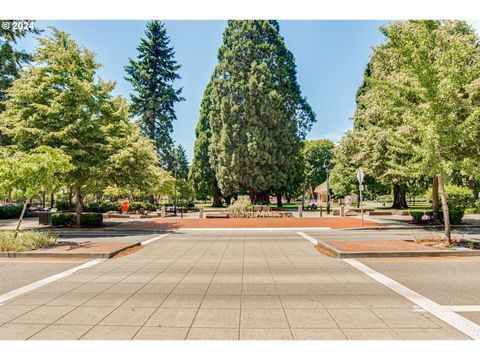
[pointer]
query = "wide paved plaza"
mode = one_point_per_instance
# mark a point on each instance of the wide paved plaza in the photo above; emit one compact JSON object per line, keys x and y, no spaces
{"x":237,"y":284}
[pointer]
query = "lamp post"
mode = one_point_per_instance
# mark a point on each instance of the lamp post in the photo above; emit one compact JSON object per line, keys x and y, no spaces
{"x":325,"y":166}
{"x":175,"y":190}
{"x":42,"y":191}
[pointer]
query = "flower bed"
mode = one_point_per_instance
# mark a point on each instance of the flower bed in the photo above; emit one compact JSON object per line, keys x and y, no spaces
{"x":260,"y":214}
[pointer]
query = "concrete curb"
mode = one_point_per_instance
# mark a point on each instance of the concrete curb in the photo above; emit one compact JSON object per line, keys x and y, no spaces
{"x":408,"y":227}
{"x":85,"y":255}
{"x":389,"y":254}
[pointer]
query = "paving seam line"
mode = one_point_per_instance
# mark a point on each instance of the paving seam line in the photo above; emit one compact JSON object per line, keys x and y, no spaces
{"x":442,"y":312}
{"x":24,"y":289}
{"x":149,"y":241}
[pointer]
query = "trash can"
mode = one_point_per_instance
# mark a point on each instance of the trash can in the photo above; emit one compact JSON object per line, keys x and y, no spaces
{"x":44,"y":218}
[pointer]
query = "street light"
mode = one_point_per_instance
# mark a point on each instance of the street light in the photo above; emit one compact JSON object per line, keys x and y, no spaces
{"x":42,"y":192}
{"x":175,"y":190}
{"x":325,"y":166}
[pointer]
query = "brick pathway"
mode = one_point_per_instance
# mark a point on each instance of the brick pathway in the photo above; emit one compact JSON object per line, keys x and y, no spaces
{"x":174,"y":224}
{"x":228,"y":285}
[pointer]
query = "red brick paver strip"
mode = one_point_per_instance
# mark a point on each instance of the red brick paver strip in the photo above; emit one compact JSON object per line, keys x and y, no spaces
{"x":378,"y":245}
{"x":174,"y":224}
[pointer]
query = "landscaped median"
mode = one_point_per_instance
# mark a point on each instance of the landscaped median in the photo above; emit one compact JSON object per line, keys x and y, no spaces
{"x":47,"y":244}
{"x":392,"y":248}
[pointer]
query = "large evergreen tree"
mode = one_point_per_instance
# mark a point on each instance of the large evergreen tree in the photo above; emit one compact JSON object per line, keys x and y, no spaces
{"x":201,"y":173}
{"x":152,"y":76}
{"x":258,"y":117}
{"x":11,"y":61}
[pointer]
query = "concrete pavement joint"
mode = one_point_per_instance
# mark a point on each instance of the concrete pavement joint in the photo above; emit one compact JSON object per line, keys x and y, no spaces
{"x":442,"y":312}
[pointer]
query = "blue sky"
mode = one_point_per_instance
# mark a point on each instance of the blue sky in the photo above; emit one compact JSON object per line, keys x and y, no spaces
{"x":330,"y":57}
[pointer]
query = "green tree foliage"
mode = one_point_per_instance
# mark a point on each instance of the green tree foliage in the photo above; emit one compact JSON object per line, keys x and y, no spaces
{"x":317,"y":153}
{"x":43,"y":167}
{"x":152,"y":76}
{"x":258,"y":117}
{"x":57,"y":102}
{"x":11,"y":59}
{"x":201,"y":173}
{"x":180,"y":162}
{"x":423,"y":92}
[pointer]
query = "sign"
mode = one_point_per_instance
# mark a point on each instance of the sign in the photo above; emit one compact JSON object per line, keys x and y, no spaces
{"x":360,"y":175}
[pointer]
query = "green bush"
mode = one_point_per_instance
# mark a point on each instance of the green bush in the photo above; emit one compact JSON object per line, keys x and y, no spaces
{"x":134,"y":206}
{"x":472,"y":211}
{"x":455,"y":215}
{"x":26,"y":240}
{"x":417,"y":215}
{"x":92,"y":219}
{"x":458,"y":197}
{"x":69,"y":219}
{"x":12,"y":211}
{"x":63,"y":218}
{"x":102,"y":207}
{"x":61,"y":205}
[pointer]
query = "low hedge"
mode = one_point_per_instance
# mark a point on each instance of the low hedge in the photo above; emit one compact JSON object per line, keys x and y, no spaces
{"x":472,"y":211}
{"x":102,"y":207}
{"x":260,"y":214}
{"x":12,"y":211}
{"x":455,"y":215}
{"x":134,"y":206}
{"x":69,"y":219}
{"x":417,"y":215}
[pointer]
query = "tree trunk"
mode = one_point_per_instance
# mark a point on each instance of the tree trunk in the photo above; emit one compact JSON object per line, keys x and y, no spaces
{"x":289,"y":199}
{"x":446,"y":214}
{"x":399,"y":197}
{"x":52,"y":199}
{"x":217,"y":195}
{"x":9,"y":199}
{"x":79,"y":207}
{"x":25,"y":202}
{"x":259,"y":196}
{"x":228,"y":200}
{"x":70,"y":195}
{"x":435,"y":203}
{"x":279,"y":200}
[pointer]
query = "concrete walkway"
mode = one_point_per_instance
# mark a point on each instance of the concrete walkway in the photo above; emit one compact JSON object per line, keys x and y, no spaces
{"x":219,"y":285}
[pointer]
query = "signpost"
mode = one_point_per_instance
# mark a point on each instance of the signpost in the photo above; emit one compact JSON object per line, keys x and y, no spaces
{"x":360,"y":176}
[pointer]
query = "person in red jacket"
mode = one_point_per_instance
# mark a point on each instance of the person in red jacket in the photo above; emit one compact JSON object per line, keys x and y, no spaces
{"x":124,"y":206}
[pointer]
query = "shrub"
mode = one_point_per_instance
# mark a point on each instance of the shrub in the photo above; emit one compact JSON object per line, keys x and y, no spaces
{"x":472,"y":211}
{"x":26,"y":240}
{"x":417,"y":215}
{"x":458,"y":197}
{"x":63,"y":218}
{"x":455,"y":216}
{"x":69,"y":219}
{"x":102,"y":207}
{"x":61,"y":205}
{"x":134,"y":206}
{"x":92,"y":219}
{"x":238,"y":206}
{"x":12,"y":211}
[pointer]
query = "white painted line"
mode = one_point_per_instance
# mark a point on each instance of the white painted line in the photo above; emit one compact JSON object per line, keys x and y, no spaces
{"x":308,"y":237}
{"x":146,"y":242}
{"x":464,"y":308}
{"x":256,"y":229}
{"x":442,"y":312}
{"x":48,"y":280}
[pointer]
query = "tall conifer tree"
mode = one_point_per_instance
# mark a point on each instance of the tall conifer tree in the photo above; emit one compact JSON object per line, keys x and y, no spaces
{"x":152,"y":76}
{"x":258,"y":117}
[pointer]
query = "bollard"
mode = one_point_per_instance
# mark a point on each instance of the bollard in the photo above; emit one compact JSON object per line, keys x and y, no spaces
{"x":300,"y":211}
{"x":200,"y":213}
{"x":342,"y":210}
{"x":321,"y":210}
{"x":162,"y":212}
